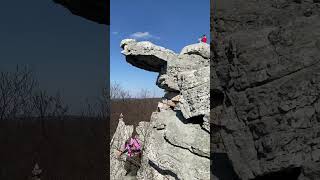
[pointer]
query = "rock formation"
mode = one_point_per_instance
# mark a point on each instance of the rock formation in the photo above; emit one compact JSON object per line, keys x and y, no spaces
{"x":177,"y":139}
{"x":94,"y":10}
{"x":265,"y":88}
{"x":36,"y":172}
{"x":123,"y":132}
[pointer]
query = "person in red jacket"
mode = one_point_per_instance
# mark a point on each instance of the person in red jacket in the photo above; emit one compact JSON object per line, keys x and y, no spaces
{"x":204,"y":39}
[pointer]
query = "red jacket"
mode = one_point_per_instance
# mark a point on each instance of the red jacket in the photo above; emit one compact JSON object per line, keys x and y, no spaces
{"x":204,"y":39}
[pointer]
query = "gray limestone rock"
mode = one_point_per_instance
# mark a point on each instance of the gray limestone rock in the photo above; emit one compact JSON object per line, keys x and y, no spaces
{"x":202,"y":49}
{"x":179,"y":153}
{"x":187,"y":74}
{"x":194,"y":88}
{"x":310,"y":171}
{"x":177,"y":140}
{"x":142,"y":131}
{"x":146,"y":55}
{"x":123,"y":132}
{"x":265,"y":66}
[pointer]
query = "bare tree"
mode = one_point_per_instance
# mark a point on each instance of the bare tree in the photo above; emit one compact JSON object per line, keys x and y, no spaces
{"x":98,"y":107}
{"x":15,"y":92}
{"x":118,"y":92}
{"x":104,"y":103}
{"x":41,"y":103}
{"x":90,"y":109}
{"x":59,"y":109}
{"x":46,"y":106}
{"x":145,"y":93}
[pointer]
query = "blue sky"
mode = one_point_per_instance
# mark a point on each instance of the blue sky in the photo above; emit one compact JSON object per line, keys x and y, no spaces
{"x":171,"y":24}
{"x":67,"y":53}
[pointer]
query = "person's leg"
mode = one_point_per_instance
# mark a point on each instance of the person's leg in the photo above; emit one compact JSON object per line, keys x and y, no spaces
{"x":127,"y":166}
{"x":131,"y":166}
{"x":135,"y":164}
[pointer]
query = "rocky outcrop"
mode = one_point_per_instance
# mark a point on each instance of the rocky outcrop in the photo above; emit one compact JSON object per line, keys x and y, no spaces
{"x":94,"y":10}
{"x":265,"y":87}
{"x":177,"y":138}
{"x":146,"y":55}
{"x":181,"y":150}
{"x":185,"y":74}
{"x":202,"y":49}
{"x":123,"y":132}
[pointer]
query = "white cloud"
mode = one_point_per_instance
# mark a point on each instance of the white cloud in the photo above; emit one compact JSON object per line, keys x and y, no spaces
{"x":143,"y":35}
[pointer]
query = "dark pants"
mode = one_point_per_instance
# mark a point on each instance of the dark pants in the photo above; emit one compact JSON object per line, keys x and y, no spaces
{"x":132,"y":164}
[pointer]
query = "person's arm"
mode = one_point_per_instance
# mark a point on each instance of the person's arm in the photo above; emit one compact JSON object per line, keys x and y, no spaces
{"x":122,"y":152}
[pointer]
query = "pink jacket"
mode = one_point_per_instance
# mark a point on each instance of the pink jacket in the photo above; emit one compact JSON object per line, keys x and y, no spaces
{"x":136,"y":146}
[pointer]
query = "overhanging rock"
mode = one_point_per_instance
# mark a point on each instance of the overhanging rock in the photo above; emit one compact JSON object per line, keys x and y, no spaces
{"x":177,"y":139}
{"x":94,"y":10}
{"x":187,"y":73}
{"x":146,"y":55}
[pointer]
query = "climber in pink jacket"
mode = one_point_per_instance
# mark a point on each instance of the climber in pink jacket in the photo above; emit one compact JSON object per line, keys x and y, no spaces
{"x":132,"y":146}
{"x":133,"y":160}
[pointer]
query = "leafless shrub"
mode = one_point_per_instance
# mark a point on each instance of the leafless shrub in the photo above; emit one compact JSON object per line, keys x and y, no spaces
{"x":45,"y":105}
{"x":89,"y":109}
{"x":42,"y":103}
{"x":28,"y":123}
{"x":143,"y":94}
{"x":59,"y":109}
{"x":98,"y":107}
{"x":104,"y":103}
{"x":21,"y":97}
{"x":118,"y":92}
{"x":15,"y":92}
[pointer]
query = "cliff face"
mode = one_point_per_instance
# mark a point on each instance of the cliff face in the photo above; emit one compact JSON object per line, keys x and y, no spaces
{"x":94,"y":10}
{"x":177,"y":139}
{"x":265,"y":69}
